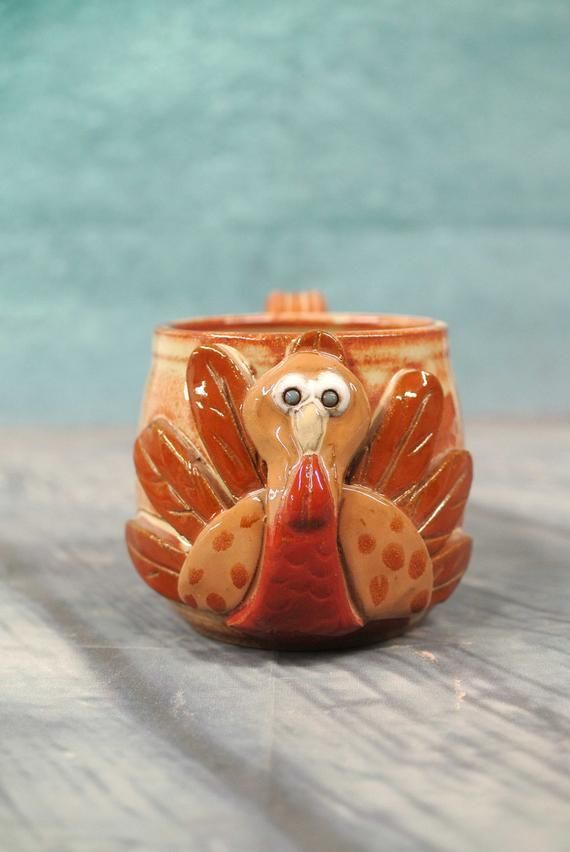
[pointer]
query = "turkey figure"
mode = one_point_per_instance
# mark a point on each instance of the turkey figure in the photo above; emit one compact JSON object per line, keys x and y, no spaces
{"x":305,"y":519}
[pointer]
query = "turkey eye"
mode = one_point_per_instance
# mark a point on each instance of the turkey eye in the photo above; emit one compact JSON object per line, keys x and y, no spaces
{"x":330,"y":398}
{"x":292,"y":396}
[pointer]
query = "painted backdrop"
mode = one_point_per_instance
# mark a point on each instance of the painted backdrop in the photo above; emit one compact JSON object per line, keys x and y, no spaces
{"x":160,"y":159}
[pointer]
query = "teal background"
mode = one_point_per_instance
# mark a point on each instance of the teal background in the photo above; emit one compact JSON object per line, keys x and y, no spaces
{"x":160,"y":159}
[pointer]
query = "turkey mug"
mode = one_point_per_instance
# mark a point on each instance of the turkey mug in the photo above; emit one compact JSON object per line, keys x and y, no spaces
{"x":301,"y":474}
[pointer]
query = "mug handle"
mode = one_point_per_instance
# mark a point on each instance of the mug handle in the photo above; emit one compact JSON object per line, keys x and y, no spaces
{"x":304,"y":302}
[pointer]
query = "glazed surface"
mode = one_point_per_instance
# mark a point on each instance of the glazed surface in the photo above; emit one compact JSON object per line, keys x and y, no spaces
{"x":354,"y":512}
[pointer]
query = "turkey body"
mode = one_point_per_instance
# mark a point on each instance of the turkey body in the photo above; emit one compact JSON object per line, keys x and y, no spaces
{"x":301,"y":587}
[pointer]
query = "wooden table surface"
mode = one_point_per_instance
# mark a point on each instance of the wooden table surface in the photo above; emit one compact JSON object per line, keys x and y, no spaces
{"x":123,"y":730}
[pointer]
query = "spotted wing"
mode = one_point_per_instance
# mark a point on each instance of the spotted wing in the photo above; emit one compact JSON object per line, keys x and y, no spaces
{"x":220,"y":567}
{"x":218,"y":381}
{"x":402,"y":436}
{"x":388,"y":566}
{"x":179,"y":483}
{"x":157,"y":554}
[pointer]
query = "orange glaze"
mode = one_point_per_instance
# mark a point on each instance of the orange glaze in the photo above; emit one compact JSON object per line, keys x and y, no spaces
{"x":301,"y":588}
{"x":237,"y":527}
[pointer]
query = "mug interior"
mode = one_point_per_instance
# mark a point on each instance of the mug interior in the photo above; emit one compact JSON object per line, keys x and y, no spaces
{"x":337,"y":323}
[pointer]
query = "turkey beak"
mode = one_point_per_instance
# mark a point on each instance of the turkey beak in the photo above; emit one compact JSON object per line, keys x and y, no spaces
{"x":309,"y":425}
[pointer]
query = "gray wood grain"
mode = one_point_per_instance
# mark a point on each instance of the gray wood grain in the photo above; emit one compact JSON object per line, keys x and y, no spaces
{"x":121,"y":729}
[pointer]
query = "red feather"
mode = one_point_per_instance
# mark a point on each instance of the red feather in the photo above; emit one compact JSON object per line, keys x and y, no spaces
{"x":449,"y":566}
{"x":158,"y":556}
{"x":403,"y":434}
{"x":217,"y":384}
{"x":176,"y":480}
{"x":437,"y":504}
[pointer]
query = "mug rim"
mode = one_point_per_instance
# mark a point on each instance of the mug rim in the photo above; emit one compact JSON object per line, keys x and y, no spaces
{"x":257,"y":325}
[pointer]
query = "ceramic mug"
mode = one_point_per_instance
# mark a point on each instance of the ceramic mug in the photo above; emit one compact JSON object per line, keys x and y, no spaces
{"x":302,"y":477}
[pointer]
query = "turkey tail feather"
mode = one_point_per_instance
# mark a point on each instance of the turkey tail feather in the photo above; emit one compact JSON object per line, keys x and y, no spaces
{"x":450,"y":565}
{"x":437,"y":504}
{"x":403,"y":434}
{"x":158,"y":556}
{"x":176,"y":480}
{"x":217,"y":384}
